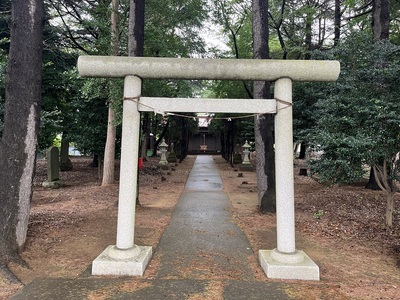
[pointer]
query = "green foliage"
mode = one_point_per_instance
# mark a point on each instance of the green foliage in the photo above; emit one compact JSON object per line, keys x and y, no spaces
{"x":59,"y":84}
{"x":88,"y":126}
{"x":234,"y":19}
{"x":395,"y":22}
{"x":5,"y":18}
{"x":358,"y":121}
{"x":241,"y":126}
{"x":301,"y":25}
{"x":172,"y":29}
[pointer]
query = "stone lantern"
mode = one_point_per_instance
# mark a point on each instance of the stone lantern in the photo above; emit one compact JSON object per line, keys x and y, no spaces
{"x":246,"y":165}
{"x":163,"y":149}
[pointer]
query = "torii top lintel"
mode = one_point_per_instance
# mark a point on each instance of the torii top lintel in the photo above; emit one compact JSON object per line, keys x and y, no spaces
{"x":208,"y":69}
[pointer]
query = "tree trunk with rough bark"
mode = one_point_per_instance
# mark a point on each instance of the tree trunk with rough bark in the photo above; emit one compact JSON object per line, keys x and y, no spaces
{"x":18,"y":143}
{"x":136,"y":39}
{"x":380,"y":29}
{"x":136,"y":28}
{"x":389,"y":209}
{"x":380,"y":19}
{"x":372,"y":184}
{"x":65,"y":162}
{"x":109,"y":150}
{"x":384,"y":177}
{"x":145,"y":135}
{"x":263,"y":124}
{"x":337,"y":22}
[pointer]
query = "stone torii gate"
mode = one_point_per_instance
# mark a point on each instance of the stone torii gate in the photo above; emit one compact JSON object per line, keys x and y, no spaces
{"x":126,"y":258}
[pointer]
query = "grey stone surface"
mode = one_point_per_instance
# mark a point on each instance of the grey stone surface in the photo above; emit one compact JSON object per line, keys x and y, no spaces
{"x":148,"y":289}
{"x":53,"y":184}
{"x":105,"y":264}
{"x":194,"y":68}
{"x":304,"y":270}
{"x":53,"y":167}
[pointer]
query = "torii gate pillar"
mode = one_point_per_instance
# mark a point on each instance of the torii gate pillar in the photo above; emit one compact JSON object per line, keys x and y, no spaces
{"x":126,"y":258}
{"x":285,"y":261}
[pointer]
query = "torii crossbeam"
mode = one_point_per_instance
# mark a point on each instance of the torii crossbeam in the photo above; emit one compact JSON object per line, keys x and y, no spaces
{"x":126,"y":258}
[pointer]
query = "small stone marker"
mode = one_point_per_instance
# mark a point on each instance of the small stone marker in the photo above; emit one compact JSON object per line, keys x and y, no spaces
{"x":172,"y":155}
{"x":53,"y":171}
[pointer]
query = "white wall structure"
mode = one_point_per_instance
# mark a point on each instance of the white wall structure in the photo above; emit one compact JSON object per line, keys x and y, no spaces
{"x":126,"y":258}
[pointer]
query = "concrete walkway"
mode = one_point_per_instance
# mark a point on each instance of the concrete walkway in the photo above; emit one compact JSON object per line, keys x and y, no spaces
{"x":202,"y":254}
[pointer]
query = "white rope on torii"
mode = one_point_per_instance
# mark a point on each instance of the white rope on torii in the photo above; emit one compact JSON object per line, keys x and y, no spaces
{"x":126,"y":258}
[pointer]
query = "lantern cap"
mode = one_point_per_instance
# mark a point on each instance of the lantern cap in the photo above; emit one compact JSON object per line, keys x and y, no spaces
{"x":246,"y":145}
{"x":163,"y":144}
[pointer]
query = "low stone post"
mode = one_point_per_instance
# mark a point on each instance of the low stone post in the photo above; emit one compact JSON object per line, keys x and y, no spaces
{"x":172,"y":155}
{"x":53,"y":168}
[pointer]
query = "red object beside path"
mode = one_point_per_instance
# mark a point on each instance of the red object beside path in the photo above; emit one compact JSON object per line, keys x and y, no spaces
{"x":140,"y":163}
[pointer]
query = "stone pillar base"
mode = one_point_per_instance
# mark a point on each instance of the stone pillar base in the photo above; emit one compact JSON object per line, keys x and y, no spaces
{"x":131,"y":262}
{"x":53,"y":184}
{"x":246,"y":167}
{"x":292,"y":268}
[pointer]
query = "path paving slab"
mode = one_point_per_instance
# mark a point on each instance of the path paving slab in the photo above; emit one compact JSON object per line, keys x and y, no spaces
{"x":151,"y":289}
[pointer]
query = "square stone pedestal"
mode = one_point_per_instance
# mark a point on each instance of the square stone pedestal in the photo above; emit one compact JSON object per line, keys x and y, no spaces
{"x":123,"y":263}
{"x":305,"y":270}
{"x":246,"y":167}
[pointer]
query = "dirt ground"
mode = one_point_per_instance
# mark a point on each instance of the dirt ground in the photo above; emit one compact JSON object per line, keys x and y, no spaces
{"x":340,"y":227}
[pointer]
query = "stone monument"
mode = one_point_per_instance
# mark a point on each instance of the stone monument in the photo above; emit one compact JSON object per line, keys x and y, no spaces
{"x":53,"y":169}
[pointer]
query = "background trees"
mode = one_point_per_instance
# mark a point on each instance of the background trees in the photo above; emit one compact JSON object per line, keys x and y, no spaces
{"x":358,"y":123}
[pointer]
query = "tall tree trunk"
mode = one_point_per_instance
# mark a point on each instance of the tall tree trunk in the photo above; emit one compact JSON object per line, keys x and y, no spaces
{"x":263,"y":124}
{"x":372,"y":184}
{"x":136,"y":28}
{"x":145,"y":135}
{"x":136,"y":48}
{"x":308,"y":35}
{"x":380,"y":19}
{"x":65,"y":162}
{"x":18,"y":143}
{"x":337,"y":22}
{"x":389,"y":209}
{"x":109,"y":151}
{"x":380,"y":29}
{"x":278,"y":26}
{"x":136,"y":38}
{"x":383,"y":175}
{"x":184,"y":139}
